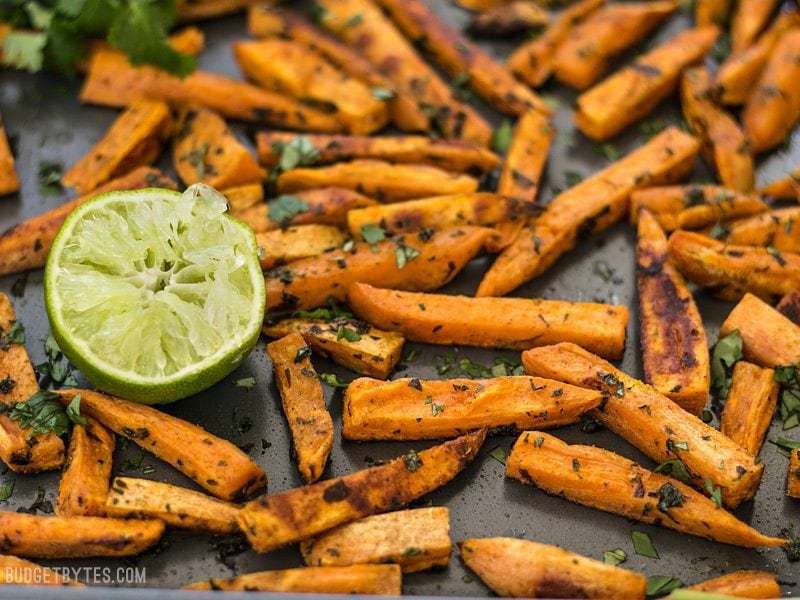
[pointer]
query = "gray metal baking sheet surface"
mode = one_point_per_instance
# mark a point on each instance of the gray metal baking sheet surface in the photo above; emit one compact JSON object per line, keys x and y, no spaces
{"x":48,"y":124}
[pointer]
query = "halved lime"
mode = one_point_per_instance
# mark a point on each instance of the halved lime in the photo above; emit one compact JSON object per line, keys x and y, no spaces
{"x":155,"y":295}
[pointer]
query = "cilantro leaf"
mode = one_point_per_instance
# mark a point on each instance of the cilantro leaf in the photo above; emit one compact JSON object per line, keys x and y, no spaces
{"x":615,"y":557}
{"x":661,"y":585}
{"x":24,"y":50}
{"x":285,"y":208}
{"x":74,"y":411}
{"x":300,"y":151}
{"x":501,"y":138}
{"x":351,"y":335}
{"x":372,"y":234}
{"x":382,"y":93}
{"x":727,"y":352}
{"x":42,"y":412}
{"x":643,"y":545}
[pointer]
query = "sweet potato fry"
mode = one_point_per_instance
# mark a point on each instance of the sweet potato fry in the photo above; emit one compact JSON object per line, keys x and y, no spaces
{"x":84,"y":484}
{"x":674,"y":346}
{"x":21,"y":449}
{"x":533,"y":61}
{"x":135,"y":139}
{"x":769,"y":338}
{"x":417,"y":540}
{"x":18,"y":571}
{"x":8,"y":176}
{"x":591,"y":206}
{"x":303,"y":404}
{"x":112,"y":81}
{"x":26,"y":245}
{"x":381,"y":180}
{"x":778,"y":229}
{"x":592,"y":45}
{"x":404,"y":263}
{"x":516,"y":323}
{"x":295,"y":515}
{"x":519,"y":16}
{"x":362,"y":25}
{"x":524,"y":569}
{"x":789,"y":306}
{"x":750,"y":406}
{"x":730,"y":271}
{"x":213,"y":463}
{"x":294,"y":69}
{"x":355,"y":579}
{"x":607,"y":481}
{"x":793,"y":478}
{"x":324,"y":206}
{"x":282,"y":246}
{"x":482,"y":4}
{"x":693,"y":206}
{"x":411,"y":409}
{"x":374,"y":353}
{"x":459,"y":56}
{"x":197,"y":10}
{"x":785,"y":189}
{"x":39,"y":536}
{"x":526,"y":156}
{"x":632,"y":92}
{"x":712,"y":12}
{"x":749,"y":18}
{"x":725,"y":147}
{"x":176,"y":506}
{"x":242,"y":197}
{"x":451,"y":155}
{"x":773,"y":108}
{"x":653,"y":423}
{"x":207,"y":151}
{"x":742,"y":584}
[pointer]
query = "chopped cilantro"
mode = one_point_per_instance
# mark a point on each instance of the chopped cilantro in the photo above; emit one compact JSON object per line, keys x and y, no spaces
{"x":674,"y":468}
{"x":284,"y":208}
{"x":351,"y":335}
{"x":333,"y":380}
{"x":661,"y":585}
{"x":42,"y":412}
{"x":74,"y":411}
{"x":382,"y":93}
{"x":643,"y":545}
{"x":615,"y":557}
{"x":714,"y":492}
{"x":499,"y":454}
{"x":403,"y":254}
{"x":372,"y":234}
{"x":501,"y":139}
{"x":246,"y":382}
{"x":727,"y":352}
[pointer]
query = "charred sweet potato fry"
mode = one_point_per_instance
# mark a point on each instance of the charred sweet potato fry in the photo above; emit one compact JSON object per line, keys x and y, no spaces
{"x":516,"y":323}
{"x":412,"y":409}
{"x":416,"y":539}
{"x":84,"y":484}
{"x":730,"y":271}
{"x":773,"y":108}
{"x":362,"y":25}
{"x":349,"y":342}
{"x":451,"y":155}
{"x":298,"y":514}
{"x":112,"y":81}
{"x":180,"y":507}
{"x":591,"y":206}
{"x":742,"y":584}
{"x":196,"y":10}
{"x":712,"y":12}
{"x":632,"y":92}
{"x":18,"y":571}
{"x":533,"y":61}
{"x":653,"y":423}
{"x":281,"y":246}
{"x":786,"y":189}
{"x":26,"y":245}
{"x":793,"y":478}
{"x":213,"y":463}
{"x":524,"y":569}
{"x":459,"y":56}
{"x":674,"y":346}
{"x":381,"y":180}
{"x":292,"y":68}
{"x":135,"y":139}
{"x":592,"y":45}
{"x":323,"y":206}
{"x":242,"y":197}
{"x":607,"y":481}
{"x":789,"y":306}
{"x":749,"y":18}
{"x":769,"y":338}
{"x":206,"y":151}
{"x":725,"y":146}
{"x":403,"y":263}
{"x":750,"y":406}
{"x":39,"y":536}
{"x":8,"y":176}
{"x":303,"y":404}
{"x":519,"y":16}
{"x":778,"y":229}
{"x":21,"y":449}
{"x":526,"y":156}
{"x":356,"y":579}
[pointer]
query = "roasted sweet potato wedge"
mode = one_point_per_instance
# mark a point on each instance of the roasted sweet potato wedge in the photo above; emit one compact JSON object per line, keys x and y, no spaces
{"x":524,"y":569}
{"x":632,"y":92}
{"x":749,"y":18}
{"x":405,"y":263}
{"x":730,"y":271}
{"x":242,"y":197}
{"x":591,"y":206}
{"x":526,"y":157}
{"x":298,"y":514}
{"x":518,"y":16}
{"x":742,"y":584}
{"x":303,"y":404}
{"x":180,"y":507}
{"x":787,"y":188}
{"x":778,"y":229}
{"x":416,"y":539}
{"x":281,"y":246}
{"x":789,"y":306}
{"x":793,"y":478}
{"x":712,"y":12}
{"x":674,"y":345}
{"x":607,"y":481}
{"x":214,"y":463}
{"x":652,"y":422}
{"x":750,"y":405}
{"x":769,"y":338}
{"x":8,"y":176}
{"x":414,"y":409}
{"x":18,"y":571}
{"x":516,"y":323}
{"x":355,"y":579}
{"x":84,"y":484}
{"x":39,"y":536}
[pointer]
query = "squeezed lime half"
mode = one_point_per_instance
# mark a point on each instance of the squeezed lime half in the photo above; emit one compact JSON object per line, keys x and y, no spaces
{"x":155,"y":295}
